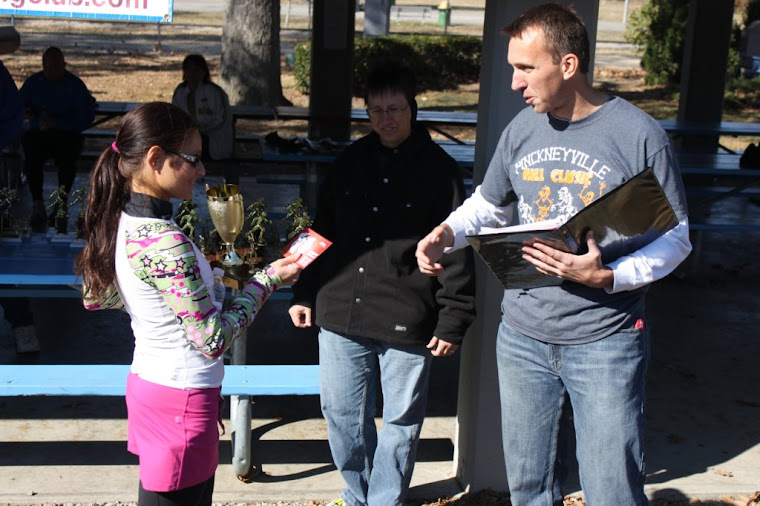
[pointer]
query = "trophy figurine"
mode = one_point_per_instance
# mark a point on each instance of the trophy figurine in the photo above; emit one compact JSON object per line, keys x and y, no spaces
{"x":225,"y":205}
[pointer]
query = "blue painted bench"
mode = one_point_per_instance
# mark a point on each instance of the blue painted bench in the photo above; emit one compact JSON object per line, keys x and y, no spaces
{"x":717,"y":175}
{"x":432,"y":119}
{"x":701,"y":128}
{"x":109,"y":110}
{"x":111,"y":380}
{"x":462,"y":153}
{"x":240,"y":382}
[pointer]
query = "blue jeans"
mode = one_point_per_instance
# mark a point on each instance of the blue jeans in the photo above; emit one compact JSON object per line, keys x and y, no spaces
{"x":377,"y":468}
{"x":604,"y":381}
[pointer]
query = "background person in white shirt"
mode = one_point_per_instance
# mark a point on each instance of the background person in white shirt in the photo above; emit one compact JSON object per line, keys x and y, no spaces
{"x":209,"y":105}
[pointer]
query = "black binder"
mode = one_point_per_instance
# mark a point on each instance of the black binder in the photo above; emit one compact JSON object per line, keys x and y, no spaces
{"x":623,"y":221}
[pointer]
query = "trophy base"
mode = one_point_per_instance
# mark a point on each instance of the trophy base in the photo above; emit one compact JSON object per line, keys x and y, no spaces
{"x":235,"y":276}
{"x":231,"y":258}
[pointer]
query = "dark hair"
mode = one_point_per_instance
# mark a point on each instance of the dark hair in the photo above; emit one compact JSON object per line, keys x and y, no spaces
{"x":563,"y":28}
{"x":148,"y":125}
{"x":53,"y":52}
{"x":197,"y":60}
{"x":393,"y":78}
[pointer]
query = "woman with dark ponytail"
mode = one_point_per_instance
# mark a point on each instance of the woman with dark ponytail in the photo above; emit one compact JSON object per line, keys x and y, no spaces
{"x":136,"y":257}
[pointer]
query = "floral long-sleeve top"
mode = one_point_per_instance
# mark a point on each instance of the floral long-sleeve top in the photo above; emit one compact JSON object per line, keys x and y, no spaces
{"x":166,"y":286}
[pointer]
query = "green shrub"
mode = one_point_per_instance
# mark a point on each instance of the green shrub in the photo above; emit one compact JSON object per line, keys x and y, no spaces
{"x":446,"y":62}
{"x":439,"y":62}
{"x":302,"y":66}
{"x":734,"y":62}
{"x":375,"y":50}
{"x":658,"y":29}
{"x":741,"y":92}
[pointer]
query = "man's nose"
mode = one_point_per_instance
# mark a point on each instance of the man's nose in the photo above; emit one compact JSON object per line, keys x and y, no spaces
{"x":517,"y":81}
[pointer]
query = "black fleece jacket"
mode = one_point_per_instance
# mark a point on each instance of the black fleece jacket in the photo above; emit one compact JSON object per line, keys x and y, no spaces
{"x":375,"y":205}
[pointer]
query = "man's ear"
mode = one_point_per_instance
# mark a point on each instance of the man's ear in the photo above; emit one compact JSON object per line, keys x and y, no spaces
{"x":570,"y":65}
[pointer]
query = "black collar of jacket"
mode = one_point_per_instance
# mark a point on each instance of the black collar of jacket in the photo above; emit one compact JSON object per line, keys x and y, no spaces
{"x":145,"y":206}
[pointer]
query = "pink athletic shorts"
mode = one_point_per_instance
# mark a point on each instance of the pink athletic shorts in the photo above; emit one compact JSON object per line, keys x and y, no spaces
{"x":173,"y":432}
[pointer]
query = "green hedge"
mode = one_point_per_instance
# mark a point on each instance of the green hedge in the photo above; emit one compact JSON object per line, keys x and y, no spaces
{"x":438,"y":62}
{"x":658,"y":28}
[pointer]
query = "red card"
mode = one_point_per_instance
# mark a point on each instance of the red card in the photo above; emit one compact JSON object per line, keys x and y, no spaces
{"x":309,"y":245}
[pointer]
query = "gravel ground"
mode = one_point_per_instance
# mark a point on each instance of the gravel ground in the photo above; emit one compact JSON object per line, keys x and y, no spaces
{"x":482,"y":498}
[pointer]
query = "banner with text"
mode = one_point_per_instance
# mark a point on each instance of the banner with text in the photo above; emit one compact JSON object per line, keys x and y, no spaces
{"x":155,"y":11}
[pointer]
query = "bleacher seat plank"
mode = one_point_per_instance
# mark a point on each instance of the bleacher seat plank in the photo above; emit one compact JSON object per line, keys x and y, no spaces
{"x":107,"y":110}
{"x":699,"y":128}
{"x":111,"y":379}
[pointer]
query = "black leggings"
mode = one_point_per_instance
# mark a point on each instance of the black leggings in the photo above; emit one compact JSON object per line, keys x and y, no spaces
{"x":197,"y":495}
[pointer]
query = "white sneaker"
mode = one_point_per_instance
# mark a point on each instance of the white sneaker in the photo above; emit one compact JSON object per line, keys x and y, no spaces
{"x":26,"y":339}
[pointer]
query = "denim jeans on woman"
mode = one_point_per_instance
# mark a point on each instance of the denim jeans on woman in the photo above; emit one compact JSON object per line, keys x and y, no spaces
{"x":604,"y":381}
{"x":377,"y":467}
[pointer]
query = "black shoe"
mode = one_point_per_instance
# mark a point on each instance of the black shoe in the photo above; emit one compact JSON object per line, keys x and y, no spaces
{"x":26,"y":339}
{"x":750,"y":159}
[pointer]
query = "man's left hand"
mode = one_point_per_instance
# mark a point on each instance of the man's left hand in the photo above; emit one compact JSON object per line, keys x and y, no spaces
{"x":441,"y":348}
{"x":586,"y":269}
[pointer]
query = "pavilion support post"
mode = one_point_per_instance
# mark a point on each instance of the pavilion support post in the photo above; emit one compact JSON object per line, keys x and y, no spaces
{"x":703,"y":70}
{"x":332,"y":56}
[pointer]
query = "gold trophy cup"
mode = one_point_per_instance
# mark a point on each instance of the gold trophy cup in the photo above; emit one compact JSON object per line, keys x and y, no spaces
{"x":225,"y":205}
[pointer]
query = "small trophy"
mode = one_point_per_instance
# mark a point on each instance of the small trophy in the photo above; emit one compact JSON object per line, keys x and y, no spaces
{"x":225,"y":206}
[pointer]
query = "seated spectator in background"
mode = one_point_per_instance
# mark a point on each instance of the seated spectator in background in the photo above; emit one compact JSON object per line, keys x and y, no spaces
{"x":16,"y":309}
{"x":11,"y":109}
{"x":11,"y":117}
{"x":208,"y":104}
{"x":58,"y":108}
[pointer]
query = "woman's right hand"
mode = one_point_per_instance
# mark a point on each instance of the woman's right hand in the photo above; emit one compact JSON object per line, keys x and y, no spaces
{"x":287,"y":269}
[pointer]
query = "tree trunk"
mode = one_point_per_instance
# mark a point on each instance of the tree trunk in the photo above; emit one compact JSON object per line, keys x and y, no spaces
{"x":250,"y":63}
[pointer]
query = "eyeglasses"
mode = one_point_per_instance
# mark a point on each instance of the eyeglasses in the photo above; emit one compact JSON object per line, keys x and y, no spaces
{"x":393,"y":111}
{"x":194,"y":160}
